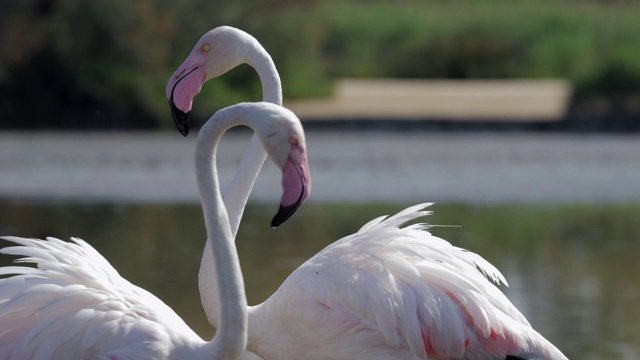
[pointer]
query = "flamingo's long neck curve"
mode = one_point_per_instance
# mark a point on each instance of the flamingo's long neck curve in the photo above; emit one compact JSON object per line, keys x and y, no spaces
{"x":231,"y":339}
{"x":236,"y":196}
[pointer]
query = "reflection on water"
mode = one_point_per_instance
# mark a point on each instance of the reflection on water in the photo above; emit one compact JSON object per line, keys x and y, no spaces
{"x":574,"y":271}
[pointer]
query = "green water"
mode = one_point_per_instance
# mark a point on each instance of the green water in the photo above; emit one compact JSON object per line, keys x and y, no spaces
{"x":573,"y":270}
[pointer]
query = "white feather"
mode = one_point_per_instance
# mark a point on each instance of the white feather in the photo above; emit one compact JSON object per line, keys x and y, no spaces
{"x":74,"y":302}
{"x":394,"y":292}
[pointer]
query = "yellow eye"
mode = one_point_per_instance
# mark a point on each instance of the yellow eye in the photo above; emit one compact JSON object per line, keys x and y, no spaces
{"x":293,"y":140}
{"x":206,"y":47}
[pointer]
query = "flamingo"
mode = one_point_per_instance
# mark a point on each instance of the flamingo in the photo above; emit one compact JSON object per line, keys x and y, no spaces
{"x":386,"y":292}
{"x":217,"y":52}
{"x":75,"y":305}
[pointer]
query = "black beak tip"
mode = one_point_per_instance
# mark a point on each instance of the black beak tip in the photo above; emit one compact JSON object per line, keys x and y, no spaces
{"x":181,"y":119}
{"x":283,"y":214}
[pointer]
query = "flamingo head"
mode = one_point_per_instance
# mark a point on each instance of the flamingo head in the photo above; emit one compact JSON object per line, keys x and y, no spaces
{"x":217,"y":52}
{"x":283,"y":138}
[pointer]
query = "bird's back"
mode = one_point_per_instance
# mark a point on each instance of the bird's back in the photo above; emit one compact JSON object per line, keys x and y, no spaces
{"x":74,"y":304}
{"x":398,"y":292}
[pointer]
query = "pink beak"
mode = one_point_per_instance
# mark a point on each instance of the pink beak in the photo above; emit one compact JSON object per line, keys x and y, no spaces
{"x":296,"y":185}
{"x":183,"y":86}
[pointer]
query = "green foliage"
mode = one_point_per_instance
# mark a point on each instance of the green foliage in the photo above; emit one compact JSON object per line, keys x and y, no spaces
{"x":480,"y":39}
{"x":102,"y":55}
{"x":115,"y":57}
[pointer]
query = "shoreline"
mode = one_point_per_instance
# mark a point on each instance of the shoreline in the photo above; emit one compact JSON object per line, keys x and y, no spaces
{"x":463,"y":100}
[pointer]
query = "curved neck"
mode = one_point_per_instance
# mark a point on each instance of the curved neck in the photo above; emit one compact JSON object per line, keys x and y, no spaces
{"x":236,"y":196}
{"x":260,"y":60}
{"x":231,"y":338}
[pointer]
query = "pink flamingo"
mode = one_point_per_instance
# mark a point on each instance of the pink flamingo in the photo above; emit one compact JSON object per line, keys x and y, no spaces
{"x":385,"y":292}
{"x":75,"y":305}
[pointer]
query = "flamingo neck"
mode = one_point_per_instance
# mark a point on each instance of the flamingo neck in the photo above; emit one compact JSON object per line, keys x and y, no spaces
{"x":264,"y":329}
{"x":261,"y":61}
{"x":236,"y":196}
{"x":231,"y":338}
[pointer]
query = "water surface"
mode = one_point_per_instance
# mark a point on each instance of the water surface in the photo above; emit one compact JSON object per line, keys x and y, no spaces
{"x":345,"y":166}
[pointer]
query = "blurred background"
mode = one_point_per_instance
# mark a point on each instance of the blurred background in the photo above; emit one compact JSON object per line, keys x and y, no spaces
{"x":85,"y":64}
{"x":536,"y":157}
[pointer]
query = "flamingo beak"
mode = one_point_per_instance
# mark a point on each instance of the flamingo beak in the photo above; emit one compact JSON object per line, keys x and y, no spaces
{"x":183,"y":86}
{"x":181,"y":118}
{"x":296,"y":186}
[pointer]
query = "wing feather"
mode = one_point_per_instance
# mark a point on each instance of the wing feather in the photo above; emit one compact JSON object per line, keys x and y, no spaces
{"x":74,"y":302}
{"x":418,"y":291}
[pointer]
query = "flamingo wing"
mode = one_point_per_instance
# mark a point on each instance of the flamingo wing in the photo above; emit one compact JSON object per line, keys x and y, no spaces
{"x":416,"y":294}
{"x":74,"y":303}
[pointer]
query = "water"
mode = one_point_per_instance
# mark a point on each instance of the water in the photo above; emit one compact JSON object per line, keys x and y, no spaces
{"x":557,"y":214}
{"x":353,"y":166}
{"x":573,"y":269}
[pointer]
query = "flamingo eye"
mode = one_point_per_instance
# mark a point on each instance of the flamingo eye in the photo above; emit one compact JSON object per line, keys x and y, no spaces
{"x":206,"y":47}
{"x":293,"y":140}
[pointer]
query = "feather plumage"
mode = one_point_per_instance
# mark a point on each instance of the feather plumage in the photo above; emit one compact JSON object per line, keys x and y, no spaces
{"x":74,"y":302}
{"x":397,"y":292}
